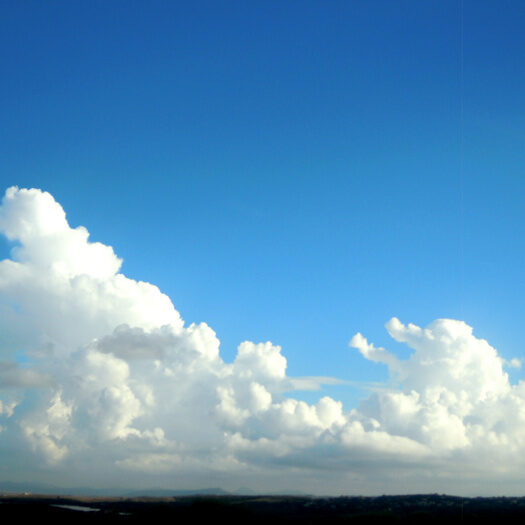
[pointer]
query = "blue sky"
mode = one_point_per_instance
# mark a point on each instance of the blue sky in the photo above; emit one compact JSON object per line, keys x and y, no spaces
{"x":293,"y":172}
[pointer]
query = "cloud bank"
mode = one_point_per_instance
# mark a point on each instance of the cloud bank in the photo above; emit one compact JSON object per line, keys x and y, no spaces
{"x":102,"y":382}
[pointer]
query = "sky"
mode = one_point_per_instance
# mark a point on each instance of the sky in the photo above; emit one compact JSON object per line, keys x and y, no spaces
{"x":270,"y":245}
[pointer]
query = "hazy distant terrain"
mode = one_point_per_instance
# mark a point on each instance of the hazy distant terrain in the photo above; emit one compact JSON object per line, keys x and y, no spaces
{"x":426,"y":508}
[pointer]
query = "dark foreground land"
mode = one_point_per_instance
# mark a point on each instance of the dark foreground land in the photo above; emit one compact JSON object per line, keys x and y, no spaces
{"x":264,"y":509}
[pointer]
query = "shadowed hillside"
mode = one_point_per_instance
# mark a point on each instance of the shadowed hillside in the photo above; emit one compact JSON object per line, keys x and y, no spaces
{"x":261,"y":509}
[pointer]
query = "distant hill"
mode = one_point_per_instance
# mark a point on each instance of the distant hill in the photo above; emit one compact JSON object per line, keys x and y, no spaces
{"x":42,"y":488}
{"x":167,"y":493}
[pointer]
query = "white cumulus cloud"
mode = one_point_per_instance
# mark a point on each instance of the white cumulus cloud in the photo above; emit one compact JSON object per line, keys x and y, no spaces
{"x":112,"y":380}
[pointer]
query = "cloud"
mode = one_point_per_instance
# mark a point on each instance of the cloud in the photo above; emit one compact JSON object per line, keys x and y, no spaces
{"x":68,"y":289}
{"x":114,"y":381}
{"x":514,"y":363}
{"x":7,"y":409}
{"x":13,"y":376}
